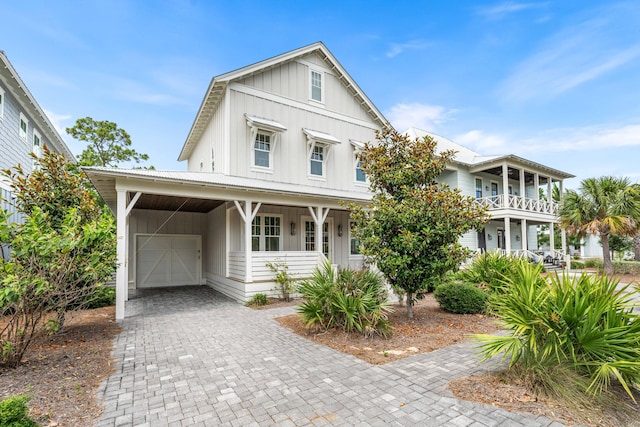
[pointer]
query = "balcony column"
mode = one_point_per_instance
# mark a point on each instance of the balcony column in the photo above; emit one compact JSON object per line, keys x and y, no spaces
{"x":549,"y":190}
{"x":536,"y":184}
{"x":523,"y":189}
{"x":507,"y":235}
{"x":523,"y":234}
{"x":505,"y":184}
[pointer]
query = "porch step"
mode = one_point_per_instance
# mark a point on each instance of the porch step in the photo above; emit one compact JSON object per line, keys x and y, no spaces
{"x":552,"y":268}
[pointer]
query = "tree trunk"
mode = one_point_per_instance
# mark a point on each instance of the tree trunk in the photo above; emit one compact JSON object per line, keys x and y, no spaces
{"x":606,"y":254}
{"x":410,"y":305}
{"x":636,"y":246}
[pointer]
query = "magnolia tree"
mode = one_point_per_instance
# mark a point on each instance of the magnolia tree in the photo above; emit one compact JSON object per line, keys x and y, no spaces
{"x":412,"y":227}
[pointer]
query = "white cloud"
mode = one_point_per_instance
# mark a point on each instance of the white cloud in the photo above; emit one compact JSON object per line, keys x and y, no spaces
{"x":501,"y":10}
{"x":131,"y":90}
{"x":57,"y":120}
{"x":585,"y":139}
{"x":581,"y":52}
{"x":482,"y":142}
{"x":396,"y":49}
{"x":421,"y":116}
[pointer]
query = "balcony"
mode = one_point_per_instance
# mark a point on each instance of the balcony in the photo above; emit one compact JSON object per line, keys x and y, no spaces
{"x":522,"y":204}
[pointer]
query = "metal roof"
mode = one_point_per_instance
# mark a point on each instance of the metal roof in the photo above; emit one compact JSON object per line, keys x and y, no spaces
{"x":321,"y":137}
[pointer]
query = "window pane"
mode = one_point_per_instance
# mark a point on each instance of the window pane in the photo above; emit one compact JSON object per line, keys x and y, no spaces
{"x":316,"y":168}
{"x":478,"y":188}
{"x":316,"y":86}
{"x":353,"y":242}
{"x":272,"y":244}
{"x":255,"y":243}
{"x":262,"y":158}
{"x":255,"y":234}
{"x":360,"y":175}
{"x":325,"y":239}
{"x":309,"y":236}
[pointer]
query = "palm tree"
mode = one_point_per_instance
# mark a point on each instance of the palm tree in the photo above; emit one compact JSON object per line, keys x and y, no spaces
{"x":602,"y":206}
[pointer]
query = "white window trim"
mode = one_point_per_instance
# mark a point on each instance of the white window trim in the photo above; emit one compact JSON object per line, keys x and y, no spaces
{"x":322,"y":85}
{"x":23,"y":118}
{"x":3,"y":100}
{"x":268,"y":127}
{"x":261,"y":243}
{"x":323,"y":140}
{"x":358,"y":147}
{"x":481,"y":186}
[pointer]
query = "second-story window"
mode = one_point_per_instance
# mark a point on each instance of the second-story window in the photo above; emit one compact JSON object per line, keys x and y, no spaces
{"x":360,"y":175}
{"x":24,"y":125}
{"x":317,"y":161}
{"x":262,"y":150}
{"x":37,"y":147}
{"x":478,"y":188}
{"x":316,"y":86}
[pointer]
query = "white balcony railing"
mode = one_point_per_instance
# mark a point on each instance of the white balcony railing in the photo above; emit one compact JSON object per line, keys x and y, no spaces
{"x":507,"y":201}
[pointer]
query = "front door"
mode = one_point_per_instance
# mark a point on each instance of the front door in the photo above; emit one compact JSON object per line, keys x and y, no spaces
{"x":482,"y":242}
{"x":309,"y":242}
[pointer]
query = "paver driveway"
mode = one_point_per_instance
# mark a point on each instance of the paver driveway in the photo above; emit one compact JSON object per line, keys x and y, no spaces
{"x":188,"y":356}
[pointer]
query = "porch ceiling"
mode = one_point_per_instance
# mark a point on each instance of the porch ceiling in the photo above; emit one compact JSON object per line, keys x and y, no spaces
{"x":172,"y":203}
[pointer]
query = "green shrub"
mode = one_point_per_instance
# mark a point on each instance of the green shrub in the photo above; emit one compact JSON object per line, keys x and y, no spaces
{"x":577,"y":265}
{"x":346,"y":299}
{"x":585,"y":324}
{"x":461,"y":298}
{"x":593,"y":263}
{"x":101,"y":296}
{"x":258,"y":300}
{"x":13,"y":412}
{"x":489,"y":269}
{"x":285,"y":283}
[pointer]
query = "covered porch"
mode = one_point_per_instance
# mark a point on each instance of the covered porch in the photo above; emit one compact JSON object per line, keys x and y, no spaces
{"x":172,"y":230}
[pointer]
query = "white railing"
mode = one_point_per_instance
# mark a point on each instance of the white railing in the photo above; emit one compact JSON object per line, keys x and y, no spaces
{"x":502,"y":201}
{"x":300,"y":263}
{"x":525,"y":253}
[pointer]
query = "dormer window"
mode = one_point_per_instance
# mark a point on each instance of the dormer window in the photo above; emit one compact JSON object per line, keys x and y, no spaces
{"x":264,"y":137}
{"x":316,"y":90}
{"x":318,"y":150}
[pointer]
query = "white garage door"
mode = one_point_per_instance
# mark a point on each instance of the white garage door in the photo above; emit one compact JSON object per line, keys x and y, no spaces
{"x":167,"y":260}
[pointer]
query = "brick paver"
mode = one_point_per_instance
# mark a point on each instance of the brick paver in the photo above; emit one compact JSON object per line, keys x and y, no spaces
{"x":189,"y":356}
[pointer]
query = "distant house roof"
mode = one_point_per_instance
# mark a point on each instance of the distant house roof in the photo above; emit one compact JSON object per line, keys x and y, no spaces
{"x":471,"y":158}
{"x":219,"y":84}
{"x":19,"y":90}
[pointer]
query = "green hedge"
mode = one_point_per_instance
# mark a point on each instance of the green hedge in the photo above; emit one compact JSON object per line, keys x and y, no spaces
{"x":577,"y":265}
{"x":14,"y":412}
{"x":619,"y":267}
{"x":461,"y":298}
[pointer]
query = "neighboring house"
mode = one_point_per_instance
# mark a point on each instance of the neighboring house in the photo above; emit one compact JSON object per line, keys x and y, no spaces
{"x":509,"y":186}
{"x":271,"y":159}
{"x":24,"y":129}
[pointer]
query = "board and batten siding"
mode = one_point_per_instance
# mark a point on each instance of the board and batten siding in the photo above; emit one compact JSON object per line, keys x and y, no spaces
{"x":290,"y":162}
{"x":291,"y":80}
{"x":165,"y":222}
{"x":210,"y":149}
{"x":216,"y":258}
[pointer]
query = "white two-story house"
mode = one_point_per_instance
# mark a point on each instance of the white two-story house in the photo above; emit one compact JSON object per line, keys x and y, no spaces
{"x":24,"y":129}
{"x":272,"y":163}
{"x":510,"y":187}
{"x":271,"y":159}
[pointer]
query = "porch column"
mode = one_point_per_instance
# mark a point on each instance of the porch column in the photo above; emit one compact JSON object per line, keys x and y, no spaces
{"x":507,"y":235}
{"x":523,"y":189}
{"x":505,"y":184}
{"x":247,"y":214}
{"x":552,"y":243}
{"x":319,"y":215}
{"x":121,"y":256}
{"x":567,"y":257}
{"x":523,"y":235}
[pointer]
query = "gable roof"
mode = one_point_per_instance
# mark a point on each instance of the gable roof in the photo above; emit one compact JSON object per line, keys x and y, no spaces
{"x":12,"y":81}
{"x":219,"y":84}
{"x":472,"y":159}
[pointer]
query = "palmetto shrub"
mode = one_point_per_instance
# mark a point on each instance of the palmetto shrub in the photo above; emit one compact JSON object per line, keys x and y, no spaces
{"x":345,"y":299}
{"x":579,"y":330}
{"x":489,"y":269}
{"x":461,"y":298}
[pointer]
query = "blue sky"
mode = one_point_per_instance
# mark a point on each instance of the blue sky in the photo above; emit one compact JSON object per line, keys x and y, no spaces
{"x":554,"y":81}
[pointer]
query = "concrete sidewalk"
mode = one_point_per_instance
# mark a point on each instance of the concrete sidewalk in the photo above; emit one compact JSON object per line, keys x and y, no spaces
{"x":190,"y":357}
